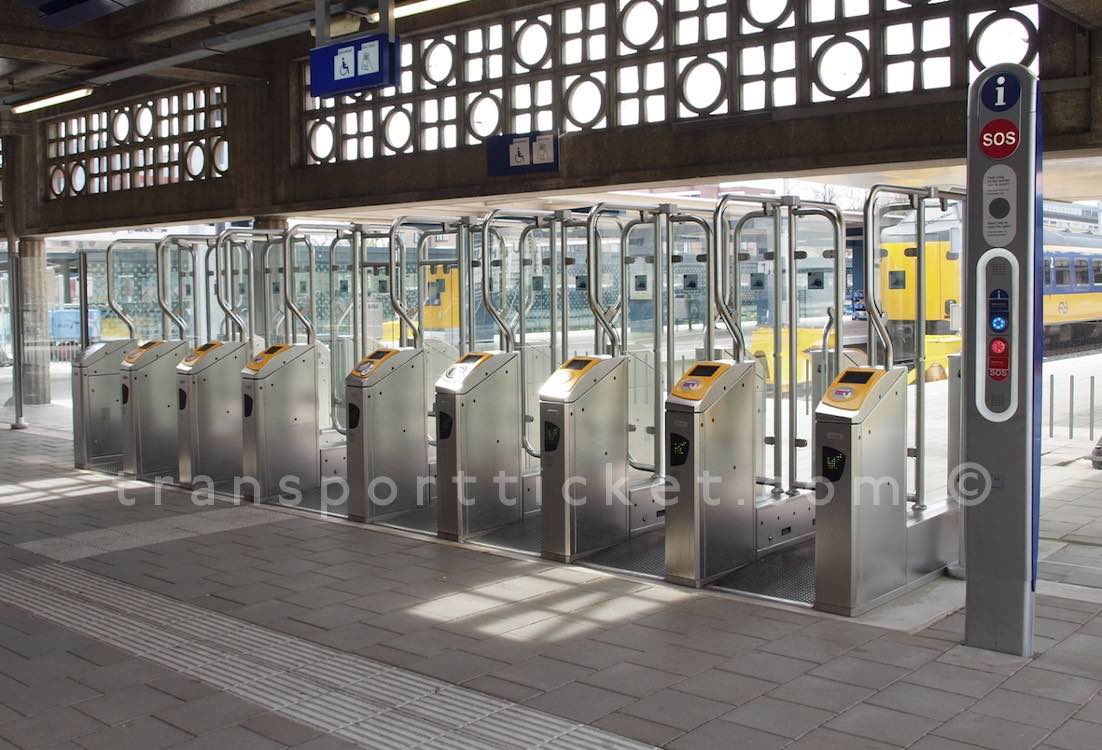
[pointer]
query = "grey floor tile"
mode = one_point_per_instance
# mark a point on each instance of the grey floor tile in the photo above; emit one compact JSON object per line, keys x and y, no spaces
{"x":1092,"y":711}
{"x":724,"y":734}
{"x":123,"y":674}
{"x":1076,"y":735}
{"x":1079,"y":655}
{"x":46,"y":697}
{"x":728,"y":687}
{"x":1046,"y":684}
{"x":650,"y":732}
{"x":817,"y":692}
{"x":184,"y":688}
{"x":970,"y":682}
{"x":799,"y":646}
{"x":580,"y":702}
{"x":681,"y":710}
{"x":50,"y":728}
{"x":1026,"y":709}
{"x":769,"y":667}
{"x":988,"y":661}
{"x":883,"y":724}
{"x":456,"y":666}
{"x":860,"y":672}
{"x":127,"y":703}
{"x":632,"y":679}
{"x":145,"y":733}
{"x":499,"y":688}
{"x":989,"y":732}
{"x":586,"y":652}
{"x":779,"y":717}
{"x":208,"y":713}
{"x":829,"y":739}
{"x":678,"y":660}
{"x":542,"y":673}
{"x":887,"y":651}
{"x":921,"y":701}
{"x":231,"y":737}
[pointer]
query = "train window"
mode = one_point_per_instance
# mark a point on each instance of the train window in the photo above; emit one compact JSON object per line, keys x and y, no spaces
{"x":581,"y":283}
{"x":757,"y":281}
{"x":382,"y":286}
{"x":537,"y":283}
{"x":690,"y":281}
{"x":1062,"y":272}
{"x":897,"y":279}
{"x":1096,"y":269}
{"x":816,"y":280}
{"x":1048,"y":271}
{"x":641,"y":282}
{"x":435,"y":295}
{"x":1082,"y":272}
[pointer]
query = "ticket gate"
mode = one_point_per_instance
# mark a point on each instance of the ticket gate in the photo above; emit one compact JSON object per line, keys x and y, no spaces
{"x":209,"y":413}
{"x":388,"y":463}
{"x":97,"y":403}
{"x":149,"y":422}
{"x":477,"y":404}
{"x":712,"y":416}
{"x":280,"y":418}
{"x":870,"y":546}
{"x":584,"y":457}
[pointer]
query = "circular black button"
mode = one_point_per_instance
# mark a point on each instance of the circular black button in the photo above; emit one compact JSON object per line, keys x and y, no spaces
{"x":999,"y":208}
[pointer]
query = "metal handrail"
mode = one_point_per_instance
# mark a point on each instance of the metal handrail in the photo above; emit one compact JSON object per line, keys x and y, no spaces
{"x":593,"y":270}
{"x":161,"y":247}
{"x":273,"y":237}
{"x":709,"y":272}
{"x":485,"y":230}
{"x":833,"y":214}
{"x":131,"y":328}
{"x":298,"y":231}
{"x":396,"y":289}
{"x":872,"y":245}
{"x":731,"y":319}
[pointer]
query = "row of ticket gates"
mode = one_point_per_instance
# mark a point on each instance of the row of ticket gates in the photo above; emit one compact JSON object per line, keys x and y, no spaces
{"x":256,"y":425}
{"x":217,"y":414}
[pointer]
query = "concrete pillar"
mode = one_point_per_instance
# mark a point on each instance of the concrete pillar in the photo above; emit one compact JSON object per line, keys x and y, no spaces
{"x":36,"y":320}
{"x":267,"y":286}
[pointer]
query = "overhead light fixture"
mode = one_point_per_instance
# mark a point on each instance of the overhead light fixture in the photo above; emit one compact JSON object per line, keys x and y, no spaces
{"x":52,"y":100}
{"x":416,"y":7}
{"x":424,"y":6}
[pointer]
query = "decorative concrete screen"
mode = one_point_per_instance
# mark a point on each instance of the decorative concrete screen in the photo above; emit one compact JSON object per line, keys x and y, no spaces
{"x":168,"y":138}
{"x":577,"y":66}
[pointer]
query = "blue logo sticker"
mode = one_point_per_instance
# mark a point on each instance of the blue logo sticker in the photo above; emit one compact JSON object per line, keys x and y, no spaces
{"x":1001,"y":92}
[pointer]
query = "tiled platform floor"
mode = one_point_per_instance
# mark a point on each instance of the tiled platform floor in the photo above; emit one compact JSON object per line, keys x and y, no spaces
{"x":593,"y":660}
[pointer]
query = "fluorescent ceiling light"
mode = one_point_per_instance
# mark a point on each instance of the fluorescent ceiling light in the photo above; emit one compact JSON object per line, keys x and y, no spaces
{"x":423,"y":6}
{"x":416,"y":7}
{"x":49,"y":101}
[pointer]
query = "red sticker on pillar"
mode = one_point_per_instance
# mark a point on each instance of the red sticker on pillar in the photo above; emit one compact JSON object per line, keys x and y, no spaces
{"x":999,"y":138}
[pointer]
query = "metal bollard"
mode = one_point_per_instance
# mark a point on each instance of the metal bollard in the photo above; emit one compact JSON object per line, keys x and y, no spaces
{"x":1071,"y":407}
{"x":1091,"y":420}
{"x":1051,"y":403}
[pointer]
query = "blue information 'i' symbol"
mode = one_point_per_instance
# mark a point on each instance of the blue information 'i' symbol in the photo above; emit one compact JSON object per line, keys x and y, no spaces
{"x":1001,"y":92}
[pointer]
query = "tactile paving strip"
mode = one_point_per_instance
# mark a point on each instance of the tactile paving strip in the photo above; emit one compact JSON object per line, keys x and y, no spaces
{"x":365,"y":702}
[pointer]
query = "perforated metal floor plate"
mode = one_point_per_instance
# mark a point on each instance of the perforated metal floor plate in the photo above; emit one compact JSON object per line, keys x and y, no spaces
{"x":356,"y":699}
{"x":520,"y":536}
{"x":788,"y":574}
{"x":422,"y":520}
{"x":643,"y":554}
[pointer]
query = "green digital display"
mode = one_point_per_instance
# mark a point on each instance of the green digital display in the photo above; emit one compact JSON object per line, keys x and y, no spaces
{"x":679,"y":449}
{"x":834,"y":463}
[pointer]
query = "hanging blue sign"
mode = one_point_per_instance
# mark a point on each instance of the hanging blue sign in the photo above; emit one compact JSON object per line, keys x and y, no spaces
{"x":522,"y":153}
{"x":345,"y":67}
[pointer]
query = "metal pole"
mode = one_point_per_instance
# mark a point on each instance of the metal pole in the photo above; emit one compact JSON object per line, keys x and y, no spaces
{"x":778,"y":337}
{"x":552,"y":283}
{"x":1071,"y":406}
{"x":357,"y":295}
{"x":82,"y":272}
{"x":462,"y":249}
{"x":793,"y":348}
{"x":659,"y":377}
{"x":1092,"y":410}
{"x":1051,"y":403}
{"x":671,"y":333}
{"x":920,"y":355}
{"x":564,"y":290}
{"x":15,"y":282}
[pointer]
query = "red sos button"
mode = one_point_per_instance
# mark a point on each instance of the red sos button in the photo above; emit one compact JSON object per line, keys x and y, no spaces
{"x":999,"y":138}
{"x":998,"y":359}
